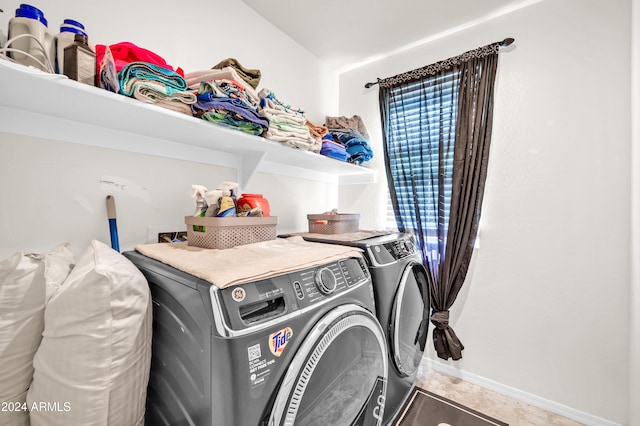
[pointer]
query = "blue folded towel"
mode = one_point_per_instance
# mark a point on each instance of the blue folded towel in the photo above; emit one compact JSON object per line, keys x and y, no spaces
{"x":356,"y":145}
{"x":334,"y":150}
{"x":209,"y":102}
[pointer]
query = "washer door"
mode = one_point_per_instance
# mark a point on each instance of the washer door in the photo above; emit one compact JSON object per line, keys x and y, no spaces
{"x":339,"y":374}
{"x":409,"y":320}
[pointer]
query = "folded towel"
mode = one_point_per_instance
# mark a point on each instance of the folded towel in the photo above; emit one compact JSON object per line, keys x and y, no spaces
{"x":153,"y":93}
{"x":348,"y":237}
{"x":317,"y":145}
{"x":282,"y":116}
{"x":328,"y":137}
{"x":317,"y":132}
{"x":334,"y":150}
{"x":316,"y":129}
{"x":287,"y":127}
{"x":268,"y":99}
{"x":251,"y":76}
{"x":195,"y":78}
{"x":342,"y":122}
{"x":175,"y":106}
{"x":359,"y":151}
{"x":232,"y":121}
{"x":247,"y":263}
{"x":357,"y":147}
{"x":289,"y":140}
{"x":206,"y":103}
{"x":226,"y":88}
{"x":135,"y":71}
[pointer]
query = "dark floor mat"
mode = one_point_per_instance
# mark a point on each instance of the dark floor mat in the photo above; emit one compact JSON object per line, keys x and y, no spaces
{"x":424,"y":408}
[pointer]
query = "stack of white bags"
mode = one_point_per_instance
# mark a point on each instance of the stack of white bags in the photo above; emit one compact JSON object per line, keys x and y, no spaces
{"x":75,"y":339}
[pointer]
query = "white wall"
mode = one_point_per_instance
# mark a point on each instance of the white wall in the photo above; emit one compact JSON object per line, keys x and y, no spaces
{"x":57,"y":193}
{"x":545,"y":307}
{"x":54,"y":192}
{"x":634,"y":329}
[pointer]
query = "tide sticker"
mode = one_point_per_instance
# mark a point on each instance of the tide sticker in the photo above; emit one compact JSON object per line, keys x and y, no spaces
{"x":279,"y":339}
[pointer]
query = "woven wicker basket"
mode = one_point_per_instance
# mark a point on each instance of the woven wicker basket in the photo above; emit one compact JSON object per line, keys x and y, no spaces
{"x":333,"y":223}
{"x":227,"y":232}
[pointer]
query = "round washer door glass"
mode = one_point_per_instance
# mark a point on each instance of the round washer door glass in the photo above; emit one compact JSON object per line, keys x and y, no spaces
{"x":410,"y":319}
{"x":339,"y":374}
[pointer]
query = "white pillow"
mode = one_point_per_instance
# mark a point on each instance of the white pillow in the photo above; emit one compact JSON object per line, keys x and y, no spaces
{"x":92,"y":366}
{"x":26,"y":281}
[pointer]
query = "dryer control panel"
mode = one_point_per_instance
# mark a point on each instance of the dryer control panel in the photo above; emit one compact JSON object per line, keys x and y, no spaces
{"x":389,"y":252}
{"x":256,"y":304}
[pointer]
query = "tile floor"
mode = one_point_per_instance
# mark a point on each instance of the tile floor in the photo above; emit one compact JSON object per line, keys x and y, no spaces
{"x":501,"y":407}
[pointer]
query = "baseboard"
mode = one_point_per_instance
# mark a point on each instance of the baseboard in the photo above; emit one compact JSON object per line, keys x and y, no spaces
{"x":529,"y":398}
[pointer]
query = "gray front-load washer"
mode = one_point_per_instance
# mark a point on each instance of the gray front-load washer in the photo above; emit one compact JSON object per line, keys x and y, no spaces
{"x":303,"y":348}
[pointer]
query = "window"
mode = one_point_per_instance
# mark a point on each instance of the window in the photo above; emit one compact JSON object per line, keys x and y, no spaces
{"x":421,"y":116}
{"x":429,"y":116}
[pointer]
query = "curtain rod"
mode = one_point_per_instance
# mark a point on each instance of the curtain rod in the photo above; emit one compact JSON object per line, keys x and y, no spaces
{"x":504,"y":43}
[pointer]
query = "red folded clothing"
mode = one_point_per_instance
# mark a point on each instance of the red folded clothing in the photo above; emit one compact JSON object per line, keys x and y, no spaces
{"x":125,"y":52}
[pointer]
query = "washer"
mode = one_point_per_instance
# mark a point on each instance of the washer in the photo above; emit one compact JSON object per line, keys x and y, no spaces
{"x":402,"y":306}
{"x":301,"y":348}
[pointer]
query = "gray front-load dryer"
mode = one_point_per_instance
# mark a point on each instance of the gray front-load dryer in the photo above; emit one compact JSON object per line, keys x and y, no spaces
{"x":403,"y":301}
{"x":303,"y":348}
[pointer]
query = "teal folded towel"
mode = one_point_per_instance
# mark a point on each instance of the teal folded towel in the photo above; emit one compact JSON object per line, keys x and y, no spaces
{"x":171,"y":81}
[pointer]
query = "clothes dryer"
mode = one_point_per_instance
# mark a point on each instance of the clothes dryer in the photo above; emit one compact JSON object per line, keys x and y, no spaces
{"x":303,"y":348}
{"x":402,"y":297}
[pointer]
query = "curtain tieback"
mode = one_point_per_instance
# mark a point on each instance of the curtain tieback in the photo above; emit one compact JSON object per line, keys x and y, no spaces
{"x":440,"y":319}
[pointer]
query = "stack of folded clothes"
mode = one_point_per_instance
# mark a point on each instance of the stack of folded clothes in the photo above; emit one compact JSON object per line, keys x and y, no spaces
{"x":227,"y":103}
{"x":356,"y":145}
{"x":351,"y":133}
{"x":287,"y":124}
{"x":226,"y":96}
{"x":155,"y":84}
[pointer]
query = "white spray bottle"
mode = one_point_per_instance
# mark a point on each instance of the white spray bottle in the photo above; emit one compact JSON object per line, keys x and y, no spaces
{"x":213,"y":199}
{"x":199,"y":191}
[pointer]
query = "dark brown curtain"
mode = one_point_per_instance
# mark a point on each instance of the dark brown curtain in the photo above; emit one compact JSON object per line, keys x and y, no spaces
{"x":439,"y":197}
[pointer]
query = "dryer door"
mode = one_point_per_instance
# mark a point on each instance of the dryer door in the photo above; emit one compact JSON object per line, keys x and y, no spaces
{"x":409,"y":320}
{"x":339,"y":374}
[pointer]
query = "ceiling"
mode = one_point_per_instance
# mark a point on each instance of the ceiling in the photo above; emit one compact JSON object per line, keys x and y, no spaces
{"x":345,"y":33}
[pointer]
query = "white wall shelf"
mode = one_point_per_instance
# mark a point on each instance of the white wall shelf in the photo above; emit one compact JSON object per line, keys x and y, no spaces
{"x":50,"y":106}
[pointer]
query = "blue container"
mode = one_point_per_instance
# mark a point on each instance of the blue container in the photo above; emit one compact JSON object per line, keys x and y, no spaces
{"x":74,"y":23}
{"x":31,"y":12}
{"x":74,"y":30}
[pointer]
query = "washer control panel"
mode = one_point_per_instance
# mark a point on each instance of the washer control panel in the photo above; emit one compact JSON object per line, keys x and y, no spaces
{"x":251,"y":304}
{"x":316,"y":284}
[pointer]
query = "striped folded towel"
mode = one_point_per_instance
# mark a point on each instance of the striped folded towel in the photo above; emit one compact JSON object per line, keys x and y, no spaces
{"x":132,"y":73}
{"x":152,"y":92}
